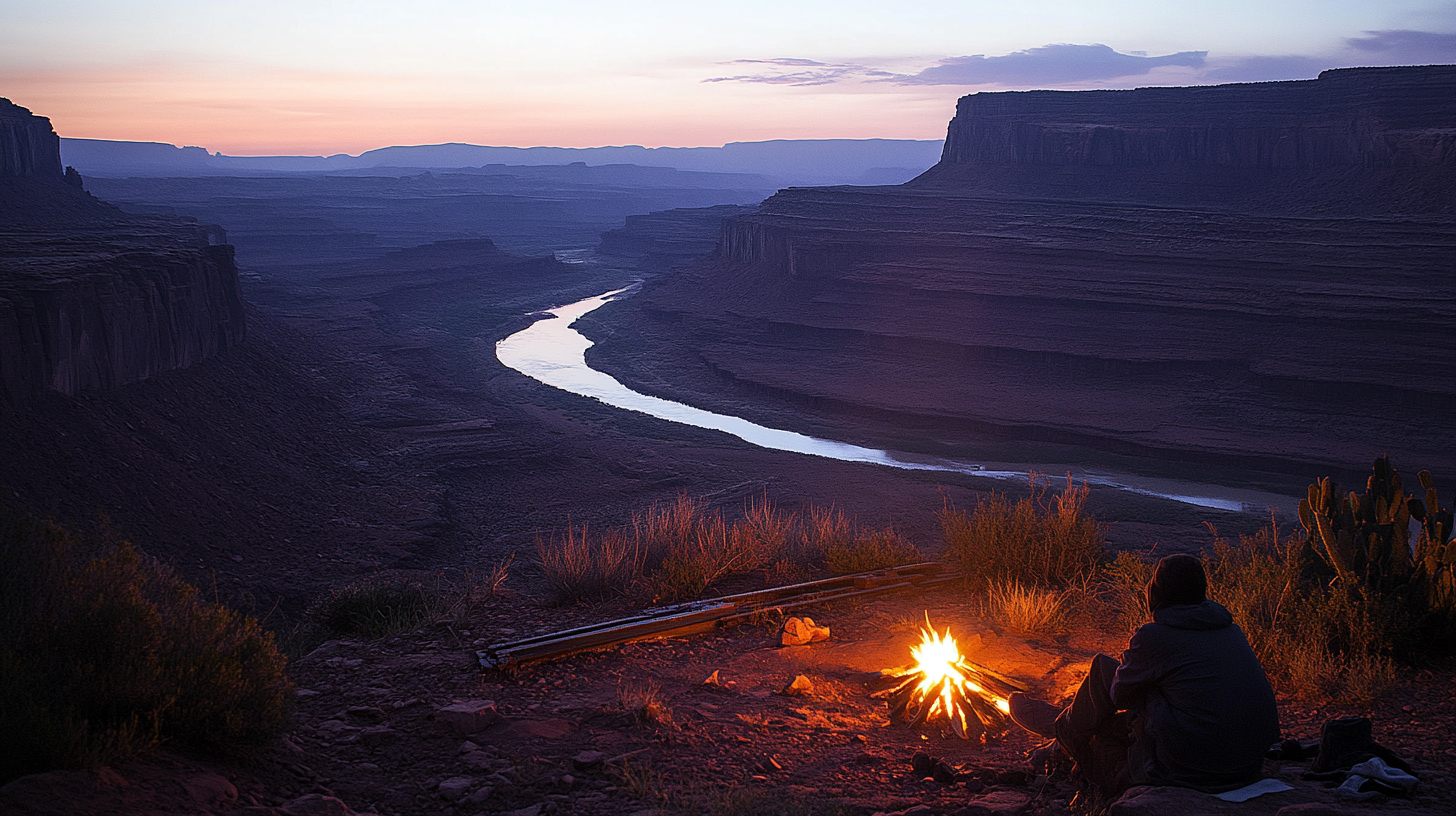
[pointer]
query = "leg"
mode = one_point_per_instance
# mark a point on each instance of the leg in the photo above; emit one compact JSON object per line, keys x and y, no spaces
{"x":1093,"y":732}
{"x":1091,"y":711}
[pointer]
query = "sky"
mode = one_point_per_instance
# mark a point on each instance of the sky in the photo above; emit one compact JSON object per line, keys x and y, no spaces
{"x":310,"y":77}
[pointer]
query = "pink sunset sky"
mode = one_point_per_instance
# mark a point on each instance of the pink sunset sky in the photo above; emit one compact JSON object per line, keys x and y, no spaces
{"x":317,"y":78}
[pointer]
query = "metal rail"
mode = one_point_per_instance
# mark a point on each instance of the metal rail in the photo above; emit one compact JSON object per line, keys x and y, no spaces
{"x":702,"y":616}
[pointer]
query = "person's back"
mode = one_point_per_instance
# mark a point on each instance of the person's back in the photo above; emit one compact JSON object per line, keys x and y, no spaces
{"x":1207,"y":711}
{"x":1188,"y":704}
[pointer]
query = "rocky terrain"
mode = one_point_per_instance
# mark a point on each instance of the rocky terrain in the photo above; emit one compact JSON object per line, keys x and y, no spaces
{"x":408,"y":725}
{"x":363,"y":425}
{"x":93,"y":298}
{"x":1246,"y":282}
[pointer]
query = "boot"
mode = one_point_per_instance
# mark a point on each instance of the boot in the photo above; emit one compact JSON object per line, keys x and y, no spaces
{"x":1038,"y":717}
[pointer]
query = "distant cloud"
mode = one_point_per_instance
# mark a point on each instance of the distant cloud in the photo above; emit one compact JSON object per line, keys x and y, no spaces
{"x":1266,"y":69}
{"x":819,"y":73}
{"x":1406,"y":47}
{"x":1375,"y":48}
{"x":1057,"y":64}
{"x":1048,"y":65}
{"x":779,"y":61}
{"x":1066,"y":64}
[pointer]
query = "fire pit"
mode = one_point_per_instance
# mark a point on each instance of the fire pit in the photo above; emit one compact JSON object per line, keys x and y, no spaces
{"x":943,"y":688}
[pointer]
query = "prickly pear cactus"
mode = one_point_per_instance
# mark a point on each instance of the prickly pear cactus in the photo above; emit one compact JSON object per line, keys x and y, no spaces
{"x":1435,"y":558}
{"x":1366,"y":539}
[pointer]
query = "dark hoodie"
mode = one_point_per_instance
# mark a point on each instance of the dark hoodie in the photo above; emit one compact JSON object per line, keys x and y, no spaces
{"x":1207,"y":712}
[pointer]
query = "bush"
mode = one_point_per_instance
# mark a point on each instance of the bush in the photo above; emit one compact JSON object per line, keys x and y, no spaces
{"x":870,"y":551}
{"x":1127,"y":578}
{"x":376,"y":606}
{"x":99,"y":658}
{"x":1027,"y":610}
{"x":583,"y":569}
{"x":1039,"y":540}
{"x":1316,"y":641}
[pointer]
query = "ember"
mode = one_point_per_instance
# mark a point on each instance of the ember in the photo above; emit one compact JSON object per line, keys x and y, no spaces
{"x":941,"y":686}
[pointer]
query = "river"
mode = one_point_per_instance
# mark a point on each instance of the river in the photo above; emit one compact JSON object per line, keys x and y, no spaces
{"x":552,"y":352}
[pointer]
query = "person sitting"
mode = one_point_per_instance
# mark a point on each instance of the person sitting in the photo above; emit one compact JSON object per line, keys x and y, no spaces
{"x":1188,"y":704}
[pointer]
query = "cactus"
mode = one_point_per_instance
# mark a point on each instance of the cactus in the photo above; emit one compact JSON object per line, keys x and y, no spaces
{"x":1435,"y":558}
{"x":1365,"y":540}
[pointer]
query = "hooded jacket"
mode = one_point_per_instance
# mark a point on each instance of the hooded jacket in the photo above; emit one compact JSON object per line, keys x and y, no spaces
{"x":1206,"y":711}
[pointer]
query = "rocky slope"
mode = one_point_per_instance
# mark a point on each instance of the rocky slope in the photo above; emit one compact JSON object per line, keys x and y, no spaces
{"x":90,"y":297}
{"x":1254,"y":276}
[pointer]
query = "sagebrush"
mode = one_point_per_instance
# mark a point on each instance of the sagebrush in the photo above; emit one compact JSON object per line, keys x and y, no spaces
{"x":102,"y":656}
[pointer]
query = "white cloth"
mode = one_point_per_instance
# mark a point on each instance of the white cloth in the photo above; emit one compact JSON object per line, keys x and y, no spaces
{"x":1375,"y":768}
{"x":1259,"y":788}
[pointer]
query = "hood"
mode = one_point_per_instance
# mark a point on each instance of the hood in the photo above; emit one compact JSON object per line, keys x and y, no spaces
{"x":1206,"y":615}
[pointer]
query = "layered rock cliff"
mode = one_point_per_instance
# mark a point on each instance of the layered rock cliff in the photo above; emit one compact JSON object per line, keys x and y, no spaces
{"x":91,"y":297}
{"x":1360,"y":138}
{"x":1259,"y":275}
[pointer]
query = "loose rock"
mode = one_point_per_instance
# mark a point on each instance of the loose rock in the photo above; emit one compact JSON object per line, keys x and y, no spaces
{"x":802,"y":631}
{"x":469,"y":717}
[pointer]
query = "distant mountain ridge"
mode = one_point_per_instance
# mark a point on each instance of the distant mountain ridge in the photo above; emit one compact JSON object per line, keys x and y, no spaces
{"x":783,"y":162}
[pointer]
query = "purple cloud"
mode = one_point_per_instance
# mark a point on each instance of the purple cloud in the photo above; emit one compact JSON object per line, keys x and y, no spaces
{"x":1047,"y":65}
{"x":1406,"y":47}
{"x":821,"y":73}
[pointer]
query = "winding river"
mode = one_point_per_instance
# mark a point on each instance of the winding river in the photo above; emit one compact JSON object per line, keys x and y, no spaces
{"x":553,"y":352}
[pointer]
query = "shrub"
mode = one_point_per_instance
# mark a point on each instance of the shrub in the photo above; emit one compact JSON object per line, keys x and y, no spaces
{"x":102,"y":657}
{"x":1038,"y":540}
{"x":582,"y":569}
{"x":376,"y":606}
{"x":1127,"y":578}
{"x":1027,"y":610}
{"x":1316,"y":641}
{"x":870,"y":551}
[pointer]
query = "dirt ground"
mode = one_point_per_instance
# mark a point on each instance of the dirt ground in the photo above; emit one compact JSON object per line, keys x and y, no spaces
{"x":634,"y":730}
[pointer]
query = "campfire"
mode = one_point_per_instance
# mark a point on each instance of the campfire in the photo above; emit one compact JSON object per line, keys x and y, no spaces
{"x":943,"y":688}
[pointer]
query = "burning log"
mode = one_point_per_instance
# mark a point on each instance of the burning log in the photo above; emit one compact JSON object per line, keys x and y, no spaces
{"x":941,"y":686}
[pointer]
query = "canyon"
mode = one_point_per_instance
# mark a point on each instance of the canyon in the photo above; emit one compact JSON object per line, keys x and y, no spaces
{"x":91,"y":297}
{"x":1249,"y":282}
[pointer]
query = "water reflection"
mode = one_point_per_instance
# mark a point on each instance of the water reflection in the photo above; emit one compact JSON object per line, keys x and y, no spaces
{"x":554,"y":353}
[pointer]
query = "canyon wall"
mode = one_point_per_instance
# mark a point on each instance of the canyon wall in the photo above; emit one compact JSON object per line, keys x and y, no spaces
{"x":1258,"y":275}
{"x":91,"y":297}
{"x":1353,"y":139}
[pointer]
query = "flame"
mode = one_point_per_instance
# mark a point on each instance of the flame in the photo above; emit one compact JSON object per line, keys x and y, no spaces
{"x":944,"y":683}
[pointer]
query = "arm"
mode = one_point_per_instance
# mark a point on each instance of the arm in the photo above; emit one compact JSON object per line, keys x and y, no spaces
{"x":1141,"y":670}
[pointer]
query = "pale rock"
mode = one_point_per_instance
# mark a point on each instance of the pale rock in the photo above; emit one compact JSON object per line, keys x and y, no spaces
{"x":468,"y":717}
{"x":455,"y":788}
{"x":802,"y":631}
{"x":587,"y":760}
{"x":800,"y":687}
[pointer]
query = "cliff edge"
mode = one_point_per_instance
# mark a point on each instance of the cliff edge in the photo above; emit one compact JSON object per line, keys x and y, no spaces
{"x":1255,"y":277}
{"x":91,"y":297}
{"x":1355,"y":138}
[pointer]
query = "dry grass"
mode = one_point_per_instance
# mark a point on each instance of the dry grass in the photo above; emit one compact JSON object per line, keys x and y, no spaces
{"x":1028,"y":611}
{"x":1317,"y":641}
{"x":1041,"y":540}
{"x":677,"y":551}
{"x":643,"y":700}
{"x":581,"y":568}
{"x":870,"y":551}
